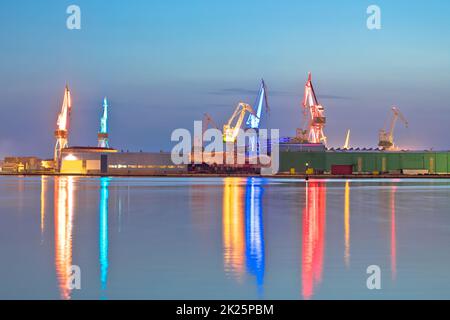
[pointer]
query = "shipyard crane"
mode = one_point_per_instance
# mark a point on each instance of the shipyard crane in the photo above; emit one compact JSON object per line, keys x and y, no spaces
{"x":347,"y":140}
{"x":315,"y":113}
{"x":230,"y":132}
{"x":103,"y":138}
{"x":386,"y":138}
{"x":62,"y":126}
{"x":208,"y":121}
{"x":254,"y":120}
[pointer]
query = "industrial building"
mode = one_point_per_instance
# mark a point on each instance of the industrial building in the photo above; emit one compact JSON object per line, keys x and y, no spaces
{"x":20,"y":164}
{"x":366,"y":162}
{"x":107,"y":161}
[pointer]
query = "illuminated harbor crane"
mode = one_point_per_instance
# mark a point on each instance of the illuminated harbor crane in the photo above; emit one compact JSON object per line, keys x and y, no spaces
{"x":208,"y":121}
{"x":103,"y":137}
{"x":315,"y":113}
{"x":347,"y":141}
{"x":231,"y":132}
{"x":386,"y":138}
{"x":254,"y":120}
{"x":62,"y":127}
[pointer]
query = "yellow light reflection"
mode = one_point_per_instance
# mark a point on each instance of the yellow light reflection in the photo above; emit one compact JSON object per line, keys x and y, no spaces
{"x":44,"y":183}
{"x":347,"y":224}
{"x":64,"y":189}
{"x":233,"y":227}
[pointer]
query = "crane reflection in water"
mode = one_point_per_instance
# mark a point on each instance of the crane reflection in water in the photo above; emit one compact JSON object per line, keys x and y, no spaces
{"x":103,"y":231}
{"x":393,"y":234}
{"x":254,"y":229}
{"x":233,"y":227}
{"x":347,"y":224}
{"x":243,"y":228}
{"x":64,"y":208}
{"x":313,"y":236}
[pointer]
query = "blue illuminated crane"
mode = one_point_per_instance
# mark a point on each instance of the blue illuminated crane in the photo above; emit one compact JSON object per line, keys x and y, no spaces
{"x":103,"y":138}
{"x":254,"y":120}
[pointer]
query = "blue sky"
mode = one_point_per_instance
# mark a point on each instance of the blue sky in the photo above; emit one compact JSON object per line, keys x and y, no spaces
{"x":162,"y":64}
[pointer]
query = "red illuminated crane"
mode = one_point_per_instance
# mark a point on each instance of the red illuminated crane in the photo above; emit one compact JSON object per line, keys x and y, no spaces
{"x":315,"y":114}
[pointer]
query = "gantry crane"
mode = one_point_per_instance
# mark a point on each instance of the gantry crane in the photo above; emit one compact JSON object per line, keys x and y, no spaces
{"x":230,"y":132}
{"x":386,"y":138}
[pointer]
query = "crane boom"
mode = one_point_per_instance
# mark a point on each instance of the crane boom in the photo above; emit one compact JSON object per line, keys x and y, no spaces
{"x":63,"y":117}
{"x":397,"y":115}
{"x":104,"y":119}
{"x":231,"y":132}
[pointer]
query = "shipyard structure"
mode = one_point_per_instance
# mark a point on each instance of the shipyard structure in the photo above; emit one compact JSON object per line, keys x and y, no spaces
{"x":306,"y":153}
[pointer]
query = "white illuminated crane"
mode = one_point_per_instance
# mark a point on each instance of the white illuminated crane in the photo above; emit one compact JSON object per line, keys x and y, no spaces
{"x":231,"y":132}
{"x":62,"y":126}
{"x":315,"y":113}
{"x":386,"y":138}
{"x":347,"y":140}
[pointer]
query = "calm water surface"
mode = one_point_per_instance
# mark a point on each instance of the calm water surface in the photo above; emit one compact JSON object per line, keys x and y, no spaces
{"x":220,"y":238}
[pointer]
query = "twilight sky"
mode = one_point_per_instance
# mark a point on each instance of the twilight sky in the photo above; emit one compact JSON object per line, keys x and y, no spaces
{"x":162,"y":64}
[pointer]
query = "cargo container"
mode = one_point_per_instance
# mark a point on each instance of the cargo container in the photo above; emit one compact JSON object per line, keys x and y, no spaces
{"x":341,"y":169}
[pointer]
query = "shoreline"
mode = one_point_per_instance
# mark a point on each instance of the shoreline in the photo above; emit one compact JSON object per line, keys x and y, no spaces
{"x":209,"y":175}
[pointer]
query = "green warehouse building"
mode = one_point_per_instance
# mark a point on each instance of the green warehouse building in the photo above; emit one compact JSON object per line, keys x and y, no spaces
{"x":366,"y":161}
